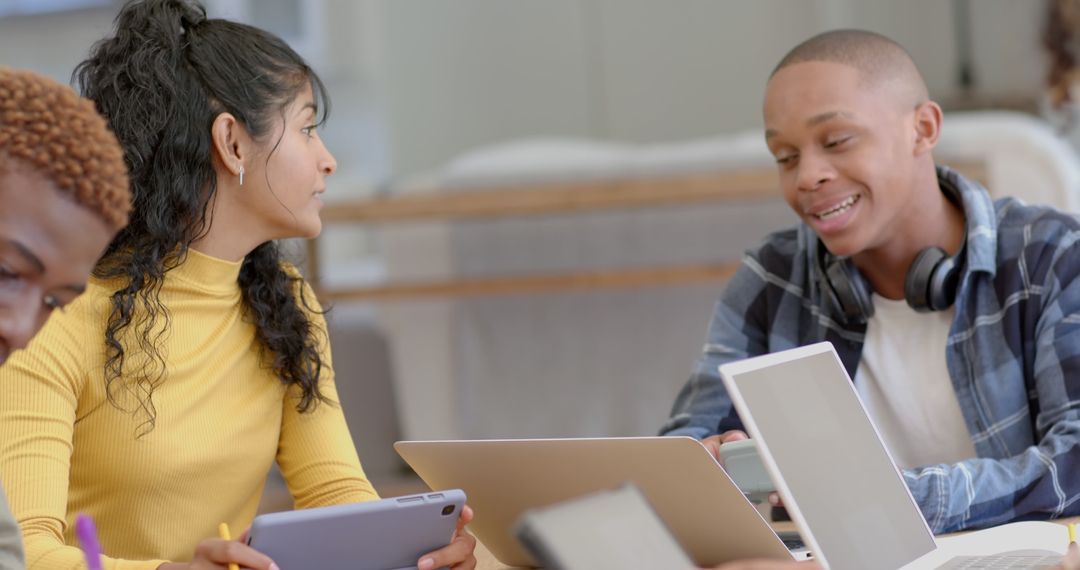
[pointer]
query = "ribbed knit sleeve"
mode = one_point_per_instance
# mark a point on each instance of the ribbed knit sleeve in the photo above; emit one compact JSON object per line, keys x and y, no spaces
{"x":160,"y":467}
{"x":316,"y":453}
{"x":37,"y":415}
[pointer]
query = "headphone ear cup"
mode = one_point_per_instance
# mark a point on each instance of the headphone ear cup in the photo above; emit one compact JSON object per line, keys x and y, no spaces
{"x":943,"y":283}
{"x":853,"y":299}
{"x":918,"y":289}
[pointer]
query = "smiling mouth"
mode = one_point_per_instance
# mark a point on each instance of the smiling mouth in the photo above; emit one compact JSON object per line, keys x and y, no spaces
{"x":837,"y":209}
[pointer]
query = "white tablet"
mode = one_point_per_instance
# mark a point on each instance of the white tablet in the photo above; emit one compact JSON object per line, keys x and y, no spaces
{"x":388,"y":534}
{"x":607,"y":529}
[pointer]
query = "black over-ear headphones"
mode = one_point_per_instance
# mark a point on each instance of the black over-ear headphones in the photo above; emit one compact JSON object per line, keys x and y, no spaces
{"x":930,"y":284}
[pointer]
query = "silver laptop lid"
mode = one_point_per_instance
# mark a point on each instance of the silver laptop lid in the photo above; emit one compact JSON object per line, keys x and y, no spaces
{"x":833,"y":471}
{"x":698,"y":502}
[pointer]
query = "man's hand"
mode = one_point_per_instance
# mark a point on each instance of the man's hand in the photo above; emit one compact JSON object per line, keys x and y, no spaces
{"x":713,"y":442}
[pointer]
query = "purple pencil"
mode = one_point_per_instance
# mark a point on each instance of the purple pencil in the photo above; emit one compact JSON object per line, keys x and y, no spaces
{"x":87,"y":534}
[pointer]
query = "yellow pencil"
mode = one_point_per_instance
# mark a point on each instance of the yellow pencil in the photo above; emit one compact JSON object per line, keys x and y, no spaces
{"x":223,"y":532}
{"x":1072,"y":533}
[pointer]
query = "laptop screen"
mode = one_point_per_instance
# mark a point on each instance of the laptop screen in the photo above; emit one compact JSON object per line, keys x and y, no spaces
{"x":803,"y":409}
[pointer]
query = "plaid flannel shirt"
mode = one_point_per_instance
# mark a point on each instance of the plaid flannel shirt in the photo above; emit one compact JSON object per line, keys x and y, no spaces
{"x":1013,"y":356}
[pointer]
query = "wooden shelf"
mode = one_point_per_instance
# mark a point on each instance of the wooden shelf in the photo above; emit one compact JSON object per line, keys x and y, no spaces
{"x":547,"y":199}
{"x":539,"y":199}
{"x":543,"y":283}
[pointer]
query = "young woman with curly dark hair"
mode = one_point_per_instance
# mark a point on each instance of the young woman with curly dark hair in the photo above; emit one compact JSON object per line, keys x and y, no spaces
{"x":63,"y":195}
{"x":198,"y":356}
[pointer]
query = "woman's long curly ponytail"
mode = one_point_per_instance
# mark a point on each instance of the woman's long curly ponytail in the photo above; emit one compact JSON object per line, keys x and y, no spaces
{"x":161,"y":80}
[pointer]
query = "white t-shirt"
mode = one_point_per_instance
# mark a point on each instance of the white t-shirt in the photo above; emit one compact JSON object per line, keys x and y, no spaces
{"x":904,"y":383}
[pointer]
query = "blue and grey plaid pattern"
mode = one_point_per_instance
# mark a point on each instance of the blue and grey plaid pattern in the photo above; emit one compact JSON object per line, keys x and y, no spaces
{"x":1013,"y":356}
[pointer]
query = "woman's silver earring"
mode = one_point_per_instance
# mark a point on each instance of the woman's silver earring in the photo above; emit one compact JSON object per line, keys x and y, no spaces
{"x":241,"y":175}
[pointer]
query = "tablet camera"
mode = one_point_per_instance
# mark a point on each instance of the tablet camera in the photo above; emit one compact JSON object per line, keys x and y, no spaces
{"x":448,"y":510}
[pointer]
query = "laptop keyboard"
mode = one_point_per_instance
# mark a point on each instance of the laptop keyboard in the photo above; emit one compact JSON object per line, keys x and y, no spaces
{"x":1034,"y":561}
{"x":791,"y":540}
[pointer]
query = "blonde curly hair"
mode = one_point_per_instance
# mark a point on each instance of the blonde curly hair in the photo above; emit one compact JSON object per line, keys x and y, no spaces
{"x":46,"y":127}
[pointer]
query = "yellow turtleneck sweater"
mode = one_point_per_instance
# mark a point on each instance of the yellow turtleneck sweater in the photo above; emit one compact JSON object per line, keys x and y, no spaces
{"x":222,"y":419}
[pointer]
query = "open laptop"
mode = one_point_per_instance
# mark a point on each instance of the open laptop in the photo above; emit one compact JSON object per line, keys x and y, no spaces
{"x":706,"y":512}
{"x":832,"y":469}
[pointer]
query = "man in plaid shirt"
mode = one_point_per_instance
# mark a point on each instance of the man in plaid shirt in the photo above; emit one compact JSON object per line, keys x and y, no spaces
{"x":957,"y":316}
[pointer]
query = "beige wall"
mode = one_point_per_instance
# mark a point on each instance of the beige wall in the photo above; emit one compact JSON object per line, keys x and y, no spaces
{"x":471,"y":72}
{"x":52,"y":43}
{"x":416,"y":82}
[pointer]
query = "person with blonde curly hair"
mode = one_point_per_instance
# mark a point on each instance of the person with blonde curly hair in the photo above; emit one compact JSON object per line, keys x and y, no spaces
{"x":63,"y":196}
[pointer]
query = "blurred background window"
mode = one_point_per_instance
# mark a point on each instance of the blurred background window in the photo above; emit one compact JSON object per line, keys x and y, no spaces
{"x":14,"y":7}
